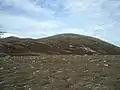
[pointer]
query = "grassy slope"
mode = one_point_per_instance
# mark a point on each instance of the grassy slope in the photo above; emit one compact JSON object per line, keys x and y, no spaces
{"x":80,"y":40}
{"x":58,"y":44}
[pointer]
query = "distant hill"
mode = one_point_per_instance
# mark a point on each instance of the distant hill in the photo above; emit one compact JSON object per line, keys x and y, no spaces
{"x":73,"y":44}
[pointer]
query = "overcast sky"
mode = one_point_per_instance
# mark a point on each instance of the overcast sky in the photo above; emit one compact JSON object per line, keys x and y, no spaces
{"x":40,"y":18}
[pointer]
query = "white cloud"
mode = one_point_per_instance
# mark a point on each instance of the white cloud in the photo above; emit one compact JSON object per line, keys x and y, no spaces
{"x":48,"y":8}
{"x":83,"y":5}
{"x":27,"y":26}
{"x":10,"y":34}
{"x":25,"y":7}
{"x":100,"y":18}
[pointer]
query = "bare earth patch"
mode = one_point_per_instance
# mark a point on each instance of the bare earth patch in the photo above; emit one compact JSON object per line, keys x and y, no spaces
{"x":60,"y":72}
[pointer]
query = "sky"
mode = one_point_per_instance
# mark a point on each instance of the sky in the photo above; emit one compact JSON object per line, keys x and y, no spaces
{"x":41,"y":18}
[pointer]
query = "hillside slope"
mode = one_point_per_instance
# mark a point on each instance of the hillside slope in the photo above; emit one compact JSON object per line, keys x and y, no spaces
{"x":58,"y":44}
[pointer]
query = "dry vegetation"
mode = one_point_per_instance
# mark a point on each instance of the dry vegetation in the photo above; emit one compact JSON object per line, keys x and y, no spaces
{"x":58,"y":44}
{"x":60,"y":72}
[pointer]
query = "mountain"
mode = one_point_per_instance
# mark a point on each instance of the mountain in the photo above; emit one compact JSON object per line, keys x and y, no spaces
{"x":73,"y":44}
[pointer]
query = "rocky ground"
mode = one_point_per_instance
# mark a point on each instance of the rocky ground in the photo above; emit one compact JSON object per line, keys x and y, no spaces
{"x":60,"y":72}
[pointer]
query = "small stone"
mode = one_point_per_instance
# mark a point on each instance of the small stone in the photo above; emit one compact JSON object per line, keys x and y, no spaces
{"x":32,"y":67}
{"x":1,"y":82}
{"x":33,"y":61}
{"x":69,"y":79}
{"x":105,"y":61}
{"x":14,"y":67}
{"x":97,"y":64}
{"x":29,"y":89}
{"x":71,"y":46}
{"x":26,"y":86}
{"x":79,"y":65}
{"x":106,"y":65}
{"x":86,"y":71}
{"x":1,"y":68}
{"x":34,"y":73}
{"x":73,"y":71}
{"x":59,"y":71}
{"x":37,"y":71}
{"x":64,"y":59}
{"x":92,"y":60}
